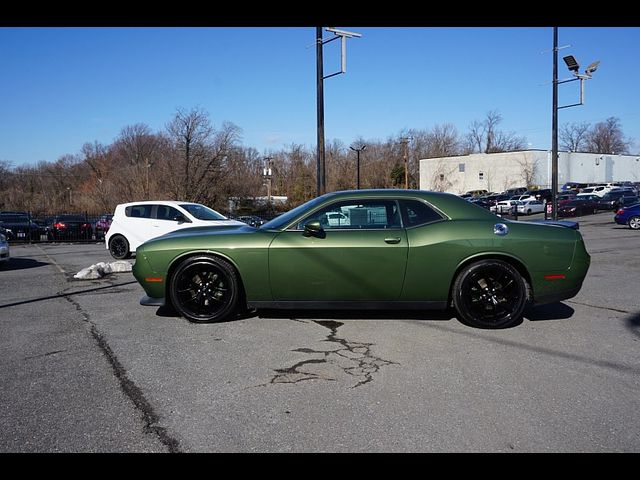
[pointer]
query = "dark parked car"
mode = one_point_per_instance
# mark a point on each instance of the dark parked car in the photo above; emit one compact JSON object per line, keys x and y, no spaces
{"x":579,"y":206}
{"x":493,"y":199}
{"x":102,"y":225}
{"x":252,"y":220}
{"x":629,"y":216}
{"x":70,"y":227}
{"x":614,"y":200}
{"x":20,"y":225}
{"x":544,"y":194}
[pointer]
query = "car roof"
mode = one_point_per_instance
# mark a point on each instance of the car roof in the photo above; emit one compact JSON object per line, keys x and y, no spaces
{"x":156,"y":202}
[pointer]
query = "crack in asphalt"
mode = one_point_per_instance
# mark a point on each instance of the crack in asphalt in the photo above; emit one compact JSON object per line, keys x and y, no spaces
{"x":129,"y":388}
{"x":598,"y":306}
{"x":149,"y":417}
{"x":360,"y":361}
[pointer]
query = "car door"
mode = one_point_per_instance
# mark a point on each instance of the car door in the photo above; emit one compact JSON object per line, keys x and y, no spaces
{"x":363,"y":258}
{"x":164,"y":222}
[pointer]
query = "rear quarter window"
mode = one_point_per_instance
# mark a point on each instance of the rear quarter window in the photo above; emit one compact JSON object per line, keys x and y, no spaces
{"x":138,"y":211}
{"x":416,"y":213}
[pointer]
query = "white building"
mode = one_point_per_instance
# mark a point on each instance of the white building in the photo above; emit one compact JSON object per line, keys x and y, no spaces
{"x":496,"y":172}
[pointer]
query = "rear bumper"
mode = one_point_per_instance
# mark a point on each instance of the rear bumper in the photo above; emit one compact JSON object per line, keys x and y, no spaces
{"x":557,"y":296}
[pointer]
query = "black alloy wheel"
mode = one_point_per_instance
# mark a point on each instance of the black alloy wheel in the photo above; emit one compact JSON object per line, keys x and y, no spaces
{"x":205,"y":289}
{"x":119,"y":247}
{"x":490,"y":294}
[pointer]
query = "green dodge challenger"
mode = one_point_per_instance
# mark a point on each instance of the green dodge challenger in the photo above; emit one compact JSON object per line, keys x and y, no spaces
{"x":367,"y":249}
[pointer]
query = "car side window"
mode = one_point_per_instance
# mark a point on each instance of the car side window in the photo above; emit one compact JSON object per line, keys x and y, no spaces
{"x":352,"y":215}
{"x":165,"y":212}
{"x":138,"y":211}
{"x":417,"y":213}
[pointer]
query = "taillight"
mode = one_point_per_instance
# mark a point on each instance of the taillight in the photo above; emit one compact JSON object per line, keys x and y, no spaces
{"x":86,"y":225}
{"x":620,"y":212}
{"x":59,"y":225}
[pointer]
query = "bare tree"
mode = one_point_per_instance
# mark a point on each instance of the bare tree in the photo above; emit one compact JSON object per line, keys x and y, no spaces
{"x":573,"y":136}
{"x":486,"y":138}
{"x":198,"y":155}
{"x":608,"y":137}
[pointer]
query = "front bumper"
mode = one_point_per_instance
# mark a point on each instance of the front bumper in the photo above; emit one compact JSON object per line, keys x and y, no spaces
{"x":152,"y":301}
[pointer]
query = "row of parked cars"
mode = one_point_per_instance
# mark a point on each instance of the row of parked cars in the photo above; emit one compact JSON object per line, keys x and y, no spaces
{"x":20,"y":226}
{"x":573,"y":203}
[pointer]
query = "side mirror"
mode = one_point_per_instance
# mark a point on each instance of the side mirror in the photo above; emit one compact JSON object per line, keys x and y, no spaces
{"x":313,"y":229}
{"x":181,"y":219}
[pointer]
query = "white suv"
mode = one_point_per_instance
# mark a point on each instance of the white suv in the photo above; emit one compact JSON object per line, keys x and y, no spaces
{"x":599,"y":190}
{"x":136,"y":222}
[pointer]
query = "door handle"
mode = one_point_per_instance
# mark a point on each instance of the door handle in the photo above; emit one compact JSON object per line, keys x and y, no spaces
{"x":392,"y":240}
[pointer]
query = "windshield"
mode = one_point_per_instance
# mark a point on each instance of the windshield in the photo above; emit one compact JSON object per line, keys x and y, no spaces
{"x":201,"y":212}
{"x":286,"y":218}
{"x":71,"y":218}
{"x":14,"y":219}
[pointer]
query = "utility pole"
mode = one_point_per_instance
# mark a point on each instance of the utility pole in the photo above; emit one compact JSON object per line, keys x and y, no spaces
{"x":405,"y":142}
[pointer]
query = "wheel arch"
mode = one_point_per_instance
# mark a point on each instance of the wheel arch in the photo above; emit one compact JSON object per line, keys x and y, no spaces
{"x":513,"y":261}
{"x":208,"y":253}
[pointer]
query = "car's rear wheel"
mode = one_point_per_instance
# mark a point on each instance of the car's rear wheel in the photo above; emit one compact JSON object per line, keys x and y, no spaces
{"x":119,"y":247}
{"x":205,"y":289}
{"x":634,"y":222}
{"x":490,"y":294}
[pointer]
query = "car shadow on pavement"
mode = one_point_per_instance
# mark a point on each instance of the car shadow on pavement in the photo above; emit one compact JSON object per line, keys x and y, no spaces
{"x":267,"y":313}
{"x":18,"y":263}
{"x":551,"y":311}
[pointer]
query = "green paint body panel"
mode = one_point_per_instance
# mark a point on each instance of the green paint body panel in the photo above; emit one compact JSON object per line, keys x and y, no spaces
{"x":406,"y":264}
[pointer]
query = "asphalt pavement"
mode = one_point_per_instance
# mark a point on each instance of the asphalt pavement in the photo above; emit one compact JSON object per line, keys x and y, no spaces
{"x":85,"y":368}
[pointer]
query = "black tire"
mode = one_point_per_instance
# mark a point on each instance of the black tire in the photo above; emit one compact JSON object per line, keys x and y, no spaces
{"x":119,"y":247}
{"x":205,"y":289}
{"x":490,"y":294}
{"x":529,"y":211}
{"x":634,"y":222}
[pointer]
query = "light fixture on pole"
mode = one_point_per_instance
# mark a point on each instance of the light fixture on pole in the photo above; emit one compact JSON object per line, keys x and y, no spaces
{"x":574,"y":68}
{"x":342,"y":35}
{"x":267,"y":174}
{"x":358,"y":150}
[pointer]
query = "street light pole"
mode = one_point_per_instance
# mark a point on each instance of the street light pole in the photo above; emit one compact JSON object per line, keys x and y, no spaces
{"x":574,"y":67}
{"x":342,"y":35}
{"x":320,"y":113}
{"x":267,"y":174}
{"x":554,"y":130}
{"x":358,"y":150}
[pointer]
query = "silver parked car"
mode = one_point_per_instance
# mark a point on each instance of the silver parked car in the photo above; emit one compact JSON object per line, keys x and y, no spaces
{"x":4,"y":247}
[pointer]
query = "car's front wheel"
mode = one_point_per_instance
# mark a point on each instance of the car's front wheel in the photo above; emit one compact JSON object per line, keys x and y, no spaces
{"x":205,"y":289}
{"x":119,"y":247}
{"x":634,"y":222}
{"x":490,"y":294}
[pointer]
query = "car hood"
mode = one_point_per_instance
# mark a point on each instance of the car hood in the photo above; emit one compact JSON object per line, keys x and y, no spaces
{"x":209,"y":230}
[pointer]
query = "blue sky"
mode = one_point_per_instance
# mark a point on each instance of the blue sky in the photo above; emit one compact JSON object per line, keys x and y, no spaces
{"x":62,"y":87}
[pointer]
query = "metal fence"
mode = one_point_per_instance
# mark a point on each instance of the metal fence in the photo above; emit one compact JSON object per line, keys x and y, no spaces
{"x":26,"y":227}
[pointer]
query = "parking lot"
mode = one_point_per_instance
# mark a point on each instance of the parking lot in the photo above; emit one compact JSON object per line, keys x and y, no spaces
{"x":85,"y":368}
